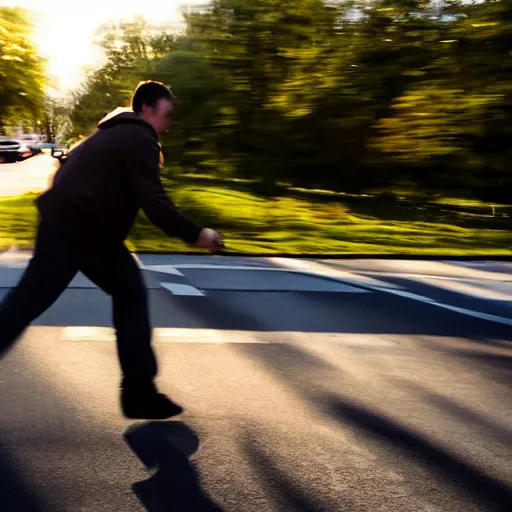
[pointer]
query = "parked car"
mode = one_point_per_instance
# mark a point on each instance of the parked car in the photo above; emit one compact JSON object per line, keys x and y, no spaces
{"x":13,"y":150}
{"x":32,"y":141}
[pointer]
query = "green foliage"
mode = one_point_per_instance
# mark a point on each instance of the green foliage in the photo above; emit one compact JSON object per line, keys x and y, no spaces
{"x":293,"y":225}
{"x":55,"y":118}
{"x":22,"y":71}
{"x":128,"y":52}
{"x":349,"y":96}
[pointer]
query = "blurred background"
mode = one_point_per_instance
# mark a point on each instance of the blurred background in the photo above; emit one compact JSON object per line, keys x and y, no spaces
{"x":304,"y":126}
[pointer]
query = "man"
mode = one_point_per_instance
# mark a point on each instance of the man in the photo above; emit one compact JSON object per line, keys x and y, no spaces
{"x":85,"y":217}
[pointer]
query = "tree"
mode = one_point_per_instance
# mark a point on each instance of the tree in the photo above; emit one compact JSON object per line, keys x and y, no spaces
{"x":343,"y":95}
{"x":55,"y":120}
{"x":453,"y":124}
{"x":22,"y":71}
{"x":128,"y":53}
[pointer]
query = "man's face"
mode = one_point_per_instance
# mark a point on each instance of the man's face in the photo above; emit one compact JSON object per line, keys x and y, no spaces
{"x":159,"y":116}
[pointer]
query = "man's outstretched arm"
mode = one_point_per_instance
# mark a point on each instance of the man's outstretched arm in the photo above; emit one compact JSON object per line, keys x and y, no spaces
{"x":143,"y":162}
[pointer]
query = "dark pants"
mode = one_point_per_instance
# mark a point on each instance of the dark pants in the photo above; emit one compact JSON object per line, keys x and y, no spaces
{"x":56,"y":261}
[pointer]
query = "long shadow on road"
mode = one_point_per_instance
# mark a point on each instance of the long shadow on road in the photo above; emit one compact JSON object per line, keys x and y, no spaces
{"x":166,"y":448}
{"x":302,"y":373}
{"x":453,"y":408}
{"x":368,"y":313}
{"x":16,"y":494}
{"x":289,"y":497}
{"x":496,"y":494}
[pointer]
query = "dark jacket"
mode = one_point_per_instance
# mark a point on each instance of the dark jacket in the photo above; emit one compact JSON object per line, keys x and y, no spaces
{"x":107,"y":179}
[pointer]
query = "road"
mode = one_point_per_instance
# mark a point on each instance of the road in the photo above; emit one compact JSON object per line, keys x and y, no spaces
{"x":27,"y":176}
{"x":307,"y":386}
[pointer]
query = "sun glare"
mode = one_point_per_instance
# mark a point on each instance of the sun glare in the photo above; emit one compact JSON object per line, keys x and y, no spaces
{"x":65,"y":31}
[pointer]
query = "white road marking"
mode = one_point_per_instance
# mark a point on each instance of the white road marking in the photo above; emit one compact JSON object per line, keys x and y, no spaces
{"x":174,"y":270}
{"x":495,"y":290}
{"x":488,"y":277}
{"x":469,"y":312}
{"x":322,"y":275}
{"x":497,"y":287}
{"x":209,"y":266}
{"x":345,"y":339}
{"x":164,"y":334}
{"x":163,"y":269}
{"x":385,"y":287}
{"x":86,"y":333}
{"x":477,"y":314}
{"x":225,"y":336}
{"x":318,"y":270}
{"x":406,"y":294}
{"x":304,"y":267}
{"x":179,"y":335}
{"x":182,"y":289}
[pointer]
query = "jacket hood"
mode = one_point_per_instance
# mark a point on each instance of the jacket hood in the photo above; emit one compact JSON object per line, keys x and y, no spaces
{"x":123,"y":115}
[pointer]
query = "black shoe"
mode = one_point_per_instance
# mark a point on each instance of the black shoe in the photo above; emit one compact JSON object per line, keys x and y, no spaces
{"x":146,"y":403}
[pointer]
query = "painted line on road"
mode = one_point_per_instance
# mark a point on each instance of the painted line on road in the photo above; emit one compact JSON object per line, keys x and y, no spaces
{"x":301,"y":267}
{"x":344,"y":276}
{"x":406,"y":275}
{"x":226,"y":336}
{"x":477,"y":314}
{"x":175,"y":270}
{"x":179,"y":289}
{"x":183,"y":289}
{"x":164,"y":334}
{"x":87,"y":333}
{"x":427,"y":300}
{"x":162,"y":269}
{"x":403,"y":293}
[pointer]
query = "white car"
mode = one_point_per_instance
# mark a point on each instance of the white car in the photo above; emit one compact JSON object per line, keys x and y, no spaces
{"x":33,"y":141}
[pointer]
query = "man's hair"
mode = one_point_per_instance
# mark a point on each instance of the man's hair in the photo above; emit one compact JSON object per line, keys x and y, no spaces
{"x":148,"y":93}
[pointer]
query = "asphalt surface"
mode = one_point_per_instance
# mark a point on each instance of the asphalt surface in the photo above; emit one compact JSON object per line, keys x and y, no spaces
{"x":29,"y":175}
{"x":307,"y":386}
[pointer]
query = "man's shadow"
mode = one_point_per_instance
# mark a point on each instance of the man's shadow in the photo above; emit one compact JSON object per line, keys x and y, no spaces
{"x":166,"y":447}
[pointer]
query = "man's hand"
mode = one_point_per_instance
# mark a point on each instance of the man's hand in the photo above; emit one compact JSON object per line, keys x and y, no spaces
{"x":209,"y":239}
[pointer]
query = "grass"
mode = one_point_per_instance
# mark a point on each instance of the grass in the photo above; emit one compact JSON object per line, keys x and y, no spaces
{"x":295,"y":225}
{"x":18,"y":221}
{"x":470,"y":203}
